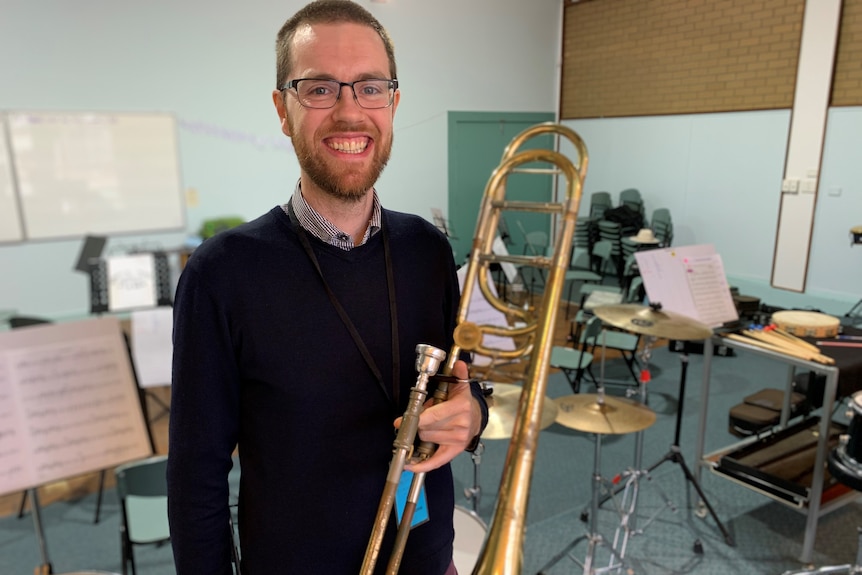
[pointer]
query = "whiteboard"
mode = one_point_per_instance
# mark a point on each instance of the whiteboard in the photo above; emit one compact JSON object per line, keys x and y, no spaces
{"x":68,"y":403}
{"x":10,"y":216}
{"x":82,"y":173}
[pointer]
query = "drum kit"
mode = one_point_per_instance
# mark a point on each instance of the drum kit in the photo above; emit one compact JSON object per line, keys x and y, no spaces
{"x":601,"y":415}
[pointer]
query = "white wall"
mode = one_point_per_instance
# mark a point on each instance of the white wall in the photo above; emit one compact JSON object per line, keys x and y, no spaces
{"x":717,"y":174}
{"x":212,"y":64}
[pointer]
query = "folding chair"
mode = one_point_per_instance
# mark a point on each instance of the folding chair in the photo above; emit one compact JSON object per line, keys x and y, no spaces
{"x":571,"y":361}
{"x":143,"y":492}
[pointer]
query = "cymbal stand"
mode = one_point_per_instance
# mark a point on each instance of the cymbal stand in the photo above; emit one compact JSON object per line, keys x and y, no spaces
{"x":674,"y":455}
{"x":645,"y":355}
{"x":474,"y":493}
{"x":593,"y":537}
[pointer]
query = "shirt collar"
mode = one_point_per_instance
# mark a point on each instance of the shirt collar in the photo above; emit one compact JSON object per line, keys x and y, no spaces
{"x":321,"y":228}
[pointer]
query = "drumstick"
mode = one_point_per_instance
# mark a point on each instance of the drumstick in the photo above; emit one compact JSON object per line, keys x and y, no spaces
{"x":795,"y":352}
{"x":782,"y":344}
{"x":751,"y":341}
{"x":789,"y":336}
{"x":810,"y":347}
{"x":838,"y":344}
{"x":778,"y":340}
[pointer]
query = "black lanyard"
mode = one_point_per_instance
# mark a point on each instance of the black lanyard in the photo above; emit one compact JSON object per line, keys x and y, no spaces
{"x":393,"y":313}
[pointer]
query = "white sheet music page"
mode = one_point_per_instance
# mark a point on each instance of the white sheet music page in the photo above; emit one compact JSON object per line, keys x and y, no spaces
{"x":131,"y":282}
{"x":152,"y":347}
{"x":68,"y":403}
{"x":690,"y":281}
{"x":481,"y":312}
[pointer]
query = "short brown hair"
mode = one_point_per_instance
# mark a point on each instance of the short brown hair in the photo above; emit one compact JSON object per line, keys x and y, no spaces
{"x":325,"y":12}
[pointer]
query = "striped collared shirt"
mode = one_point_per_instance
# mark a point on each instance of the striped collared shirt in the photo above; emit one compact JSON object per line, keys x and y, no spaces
{"x":323,"y":229}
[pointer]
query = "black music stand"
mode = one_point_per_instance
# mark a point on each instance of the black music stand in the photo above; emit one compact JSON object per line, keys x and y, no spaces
{"x":674,"y":455}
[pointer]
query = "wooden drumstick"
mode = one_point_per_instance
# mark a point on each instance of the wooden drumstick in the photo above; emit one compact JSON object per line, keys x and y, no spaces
{"x":790,"y":337}
{"x":795,"y":352}
{"x":775,"y":340}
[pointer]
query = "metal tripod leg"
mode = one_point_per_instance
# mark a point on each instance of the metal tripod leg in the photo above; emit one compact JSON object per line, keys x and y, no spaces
{"x":593,"y":537}
{"x":675,"y":455}
{"x":474,"y":493}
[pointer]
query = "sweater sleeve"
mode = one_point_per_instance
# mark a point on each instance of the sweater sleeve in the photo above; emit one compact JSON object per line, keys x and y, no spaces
{"x":203,"y":429}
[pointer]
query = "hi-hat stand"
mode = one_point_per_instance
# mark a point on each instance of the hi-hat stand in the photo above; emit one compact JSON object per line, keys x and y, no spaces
{"x":593,"y":538}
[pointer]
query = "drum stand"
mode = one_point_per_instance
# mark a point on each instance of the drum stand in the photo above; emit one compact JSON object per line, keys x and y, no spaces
{"x":674,"y":455}
{"x":474,"y":493}
{"x":593,"y":537}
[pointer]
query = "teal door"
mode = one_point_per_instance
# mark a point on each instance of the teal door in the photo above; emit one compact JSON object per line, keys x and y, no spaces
{"x":476,"y":143}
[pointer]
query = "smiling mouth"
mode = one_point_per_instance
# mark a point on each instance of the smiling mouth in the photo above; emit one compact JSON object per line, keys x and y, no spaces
{"x":348,"y":146}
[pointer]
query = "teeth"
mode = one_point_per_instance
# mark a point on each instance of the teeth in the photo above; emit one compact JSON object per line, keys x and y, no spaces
{"x":349,"y":146}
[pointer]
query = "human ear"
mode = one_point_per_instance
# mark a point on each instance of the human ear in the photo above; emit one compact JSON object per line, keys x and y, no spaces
{"x":281,"y":109}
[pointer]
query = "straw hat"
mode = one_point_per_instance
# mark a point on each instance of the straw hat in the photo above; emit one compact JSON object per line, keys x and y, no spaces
{"x":645,"y":236}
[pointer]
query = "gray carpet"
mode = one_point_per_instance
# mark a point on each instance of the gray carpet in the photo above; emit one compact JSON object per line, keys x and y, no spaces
{"x":768,"y":535}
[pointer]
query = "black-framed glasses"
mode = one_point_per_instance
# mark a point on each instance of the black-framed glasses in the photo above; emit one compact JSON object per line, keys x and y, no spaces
{"x":320,"y":93}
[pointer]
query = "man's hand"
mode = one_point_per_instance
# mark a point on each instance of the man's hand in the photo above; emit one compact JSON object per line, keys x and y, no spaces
{"x":451,"y":424}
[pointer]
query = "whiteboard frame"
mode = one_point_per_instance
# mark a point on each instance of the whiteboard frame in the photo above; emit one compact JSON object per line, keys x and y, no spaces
{"x":10,"y":215}
{"x":166,"y":214}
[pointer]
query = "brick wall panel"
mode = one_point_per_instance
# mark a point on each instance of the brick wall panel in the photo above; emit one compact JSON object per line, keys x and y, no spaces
{"x":652,"y":57}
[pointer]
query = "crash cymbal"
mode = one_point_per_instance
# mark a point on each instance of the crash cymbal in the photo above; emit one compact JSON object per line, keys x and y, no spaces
{"x":648,"y":321}
{"x":603,"y":414}
{"x":503,"y":407}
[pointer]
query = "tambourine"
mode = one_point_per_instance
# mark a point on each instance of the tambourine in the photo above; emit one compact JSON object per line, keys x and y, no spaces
{"x":807,"y":323}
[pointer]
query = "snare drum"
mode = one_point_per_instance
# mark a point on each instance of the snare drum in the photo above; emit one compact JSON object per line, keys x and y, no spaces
{"x":469,"y":535}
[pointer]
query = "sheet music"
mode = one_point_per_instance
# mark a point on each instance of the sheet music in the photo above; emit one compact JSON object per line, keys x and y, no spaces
{"x":690,"y":281}
{"x":152,"y":347}
{"x":709,"y":290}
{"x":131,"y":282}
{"x":481,"y":312}
{"x":68,"y":403}
{"x":499,"y":248}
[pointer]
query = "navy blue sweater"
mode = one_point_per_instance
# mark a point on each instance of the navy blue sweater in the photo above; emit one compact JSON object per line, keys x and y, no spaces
{"x":262,"y":361}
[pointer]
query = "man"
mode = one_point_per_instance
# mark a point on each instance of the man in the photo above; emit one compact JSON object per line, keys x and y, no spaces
{"x":295,"y":336}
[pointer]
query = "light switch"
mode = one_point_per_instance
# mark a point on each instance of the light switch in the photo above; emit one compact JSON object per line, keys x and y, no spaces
{"x":790,"y":185}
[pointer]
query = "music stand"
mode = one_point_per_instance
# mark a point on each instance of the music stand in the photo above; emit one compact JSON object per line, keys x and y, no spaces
{"x":91,"y":253}
{"x":442,"y":224}
{"x":692,"y":280}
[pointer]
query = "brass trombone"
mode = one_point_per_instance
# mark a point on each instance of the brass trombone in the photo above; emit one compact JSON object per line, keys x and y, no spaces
{"x":502,"y":551}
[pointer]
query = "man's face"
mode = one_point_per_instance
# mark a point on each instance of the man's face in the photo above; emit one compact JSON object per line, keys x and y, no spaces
{"x":341,"y":150}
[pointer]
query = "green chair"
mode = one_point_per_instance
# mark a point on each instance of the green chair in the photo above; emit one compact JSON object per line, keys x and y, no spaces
{"x":572,"y":362}
{"x":610,"y":339}
{"x":579,"y":272}
{"x":143,"y":492}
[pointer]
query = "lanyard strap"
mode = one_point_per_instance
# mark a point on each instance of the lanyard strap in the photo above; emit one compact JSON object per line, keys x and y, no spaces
{"x":354,"y":333}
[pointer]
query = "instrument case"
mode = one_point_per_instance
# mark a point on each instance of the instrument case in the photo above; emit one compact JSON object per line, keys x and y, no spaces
{"x":762,"y":410}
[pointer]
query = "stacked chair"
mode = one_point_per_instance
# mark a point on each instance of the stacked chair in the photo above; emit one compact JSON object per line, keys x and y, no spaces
{"x":662,"y":226}
{"x":580,"y":271}
{"x":586,"y":229}
{"x":631,"y":197}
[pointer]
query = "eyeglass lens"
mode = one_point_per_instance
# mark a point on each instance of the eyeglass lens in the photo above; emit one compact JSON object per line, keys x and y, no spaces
{"x":324,"y":93}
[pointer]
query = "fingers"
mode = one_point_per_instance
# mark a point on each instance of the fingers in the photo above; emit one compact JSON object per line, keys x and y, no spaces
{"x":451,"y":424}
{"x":443,"y":455}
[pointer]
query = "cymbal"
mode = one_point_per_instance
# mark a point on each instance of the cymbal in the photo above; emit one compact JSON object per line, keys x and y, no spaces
{"x":647,"y":321}
{"x":603,"y":414}
{"x":503,"y":407}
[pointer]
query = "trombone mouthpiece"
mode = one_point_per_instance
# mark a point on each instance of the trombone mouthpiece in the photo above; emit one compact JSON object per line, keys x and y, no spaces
{"x":428,"y":358}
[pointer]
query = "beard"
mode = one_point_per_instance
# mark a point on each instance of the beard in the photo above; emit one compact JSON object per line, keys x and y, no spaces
{"x":344,"y":183}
